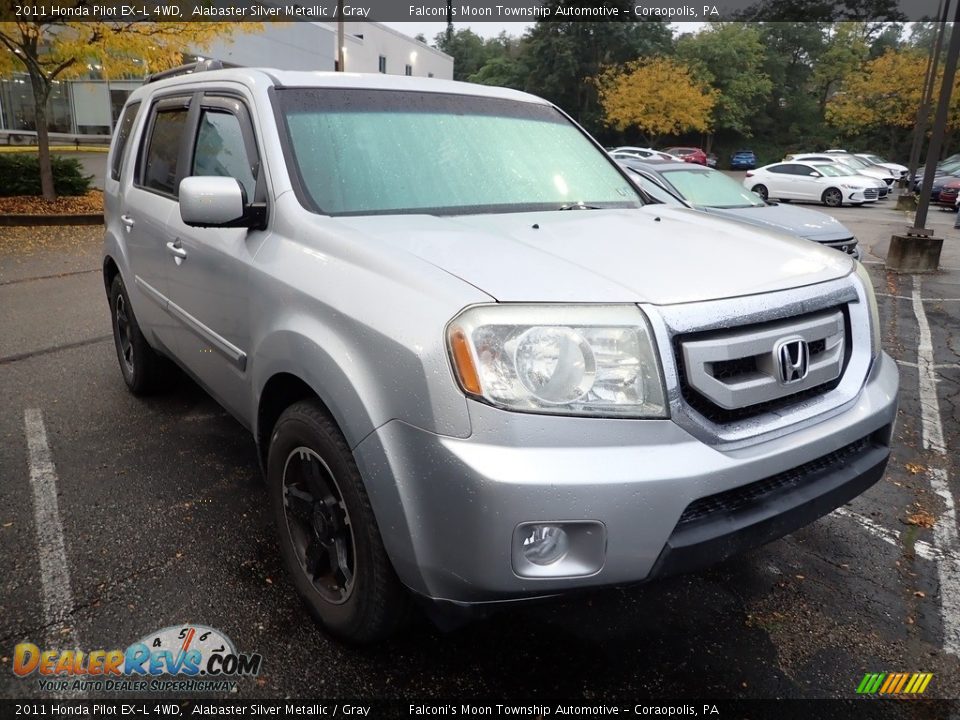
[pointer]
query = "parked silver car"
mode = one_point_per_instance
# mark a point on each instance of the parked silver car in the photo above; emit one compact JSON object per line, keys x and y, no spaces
{"x":718,"y":194}
{"x":478,"y":367}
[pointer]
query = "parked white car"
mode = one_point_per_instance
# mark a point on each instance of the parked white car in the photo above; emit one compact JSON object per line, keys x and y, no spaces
{"x":859,"y":166}
{"x":639,"y":153}
{"x":814,"y":182}
{"x":896,"y":168}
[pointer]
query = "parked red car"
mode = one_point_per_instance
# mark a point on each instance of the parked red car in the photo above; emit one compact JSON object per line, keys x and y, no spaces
{"x":689,"y":154}
{"x":949,"y":192}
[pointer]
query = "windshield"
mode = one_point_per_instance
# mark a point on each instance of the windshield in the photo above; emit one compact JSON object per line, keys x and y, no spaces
{"x":833,"y":170}
{"x":651,"y":188}
{"x":710,"y":188}
{"x":361,"y":152}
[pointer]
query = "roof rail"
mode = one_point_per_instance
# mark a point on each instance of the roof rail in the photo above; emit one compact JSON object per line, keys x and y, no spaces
{"x":189,"y":68}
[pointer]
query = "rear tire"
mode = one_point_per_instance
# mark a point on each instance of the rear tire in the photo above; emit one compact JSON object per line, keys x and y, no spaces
{"x":761,"y":190}
{"x":329,"y":539}
{"x":144,"y":370}
{"x":832,"y":197}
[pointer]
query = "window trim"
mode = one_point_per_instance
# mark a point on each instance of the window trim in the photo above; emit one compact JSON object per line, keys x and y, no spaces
{"x":219,"y":101}
{"x":165,"y":104}
{"x":120,"y":153}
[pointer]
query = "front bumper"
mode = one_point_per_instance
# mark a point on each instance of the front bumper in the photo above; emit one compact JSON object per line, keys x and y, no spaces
{"x":448,"y":507}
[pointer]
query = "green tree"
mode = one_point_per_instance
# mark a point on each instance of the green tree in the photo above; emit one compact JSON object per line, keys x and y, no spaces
{"x":845,"y":53}
{"x":469,"y":51}
{"x":51,"y":51}
{"x":730,"y":58}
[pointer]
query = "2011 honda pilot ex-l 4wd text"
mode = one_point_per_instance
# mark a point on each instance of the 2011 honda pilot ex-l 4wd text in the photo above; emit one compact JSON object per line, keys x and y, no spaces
{"x":479,"y":365}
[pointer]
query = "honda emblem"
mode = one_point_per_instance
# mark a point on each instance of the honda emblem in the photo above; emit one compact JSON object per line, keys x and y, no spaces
{"x":792,"y":358}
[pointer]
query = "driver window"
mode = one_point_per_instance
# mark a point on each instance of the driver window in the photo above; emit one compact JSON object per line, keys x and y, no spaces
{"x":220,"y":150}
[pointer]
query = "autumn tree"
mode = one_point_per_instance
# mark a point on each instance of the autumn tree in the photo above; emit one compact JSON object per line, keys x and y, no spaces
{"x":882,"y":96}
{"x":658,"y":96}
{"x":51,"y":51}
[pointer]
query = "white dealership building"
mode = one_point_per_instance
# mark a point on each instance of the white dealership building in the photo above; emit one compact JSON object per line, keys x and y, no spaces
{"x":91,"y":105}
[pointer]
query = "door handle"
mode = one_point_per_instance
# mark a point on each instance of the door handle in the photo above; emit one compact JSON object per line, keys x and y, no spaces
{"x":128,"y":221}
{"x":176,"y":249}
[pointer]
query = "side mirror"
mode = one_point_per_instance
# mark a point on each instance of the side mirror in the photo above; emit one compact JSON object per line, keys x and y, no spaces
{"x":213,"y":201}
{"x":814,"y":174}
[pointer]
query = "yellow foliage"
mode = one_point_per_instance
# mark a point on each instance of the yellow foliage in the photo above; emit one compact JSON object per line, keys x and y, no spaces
{"x":659,"y":96}
{"x":121,"y":48}
{"x":883,"y":92}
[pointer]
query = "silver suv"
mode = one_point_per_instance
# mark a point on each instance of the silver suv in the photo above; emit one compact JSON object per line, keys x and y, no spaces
{"x":479,"y":365}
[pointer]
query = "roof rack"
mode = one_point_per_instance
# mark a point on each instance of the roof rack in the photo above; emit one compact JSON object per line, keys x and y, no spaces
{"x":189,"y":68}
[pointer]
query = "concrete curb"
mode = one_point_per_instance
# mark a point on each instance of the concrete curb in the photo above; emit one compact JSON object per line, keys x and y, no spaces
{"x":40,"y":220}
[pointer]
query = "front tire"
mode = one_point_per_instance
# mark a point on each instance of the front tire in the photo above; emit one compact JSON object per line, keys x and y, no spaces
{"x":832,"y":197}
{"x":143,"y":369}
{"x":329,"y":539}
{"x":761,"y":190}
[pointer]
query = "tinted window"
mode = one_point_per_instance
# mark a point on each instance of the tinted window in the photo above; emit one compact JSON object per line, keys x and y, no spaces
{"x":221,"y":151}
{"x":780,"y":169}
{"x":160,"y":172}
{"x":123,"y":137}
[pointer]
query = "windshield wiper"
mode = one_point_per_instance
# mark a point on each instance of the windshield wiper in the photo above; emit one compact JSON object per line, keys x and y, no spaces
{"x":579,"y":206}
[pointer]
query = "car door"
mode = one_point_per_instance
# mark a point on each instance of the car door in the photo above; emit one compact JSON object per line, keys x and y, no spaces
{"x":777,"y":181}
{"x":148,"y":198}
{"x":809,"y":182}
{"x":209,"y":275}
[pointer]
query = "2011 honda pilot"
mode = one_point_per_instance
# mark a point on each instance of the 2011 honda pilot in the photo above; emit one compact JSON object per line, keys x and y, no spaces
{"x":478,"y":363}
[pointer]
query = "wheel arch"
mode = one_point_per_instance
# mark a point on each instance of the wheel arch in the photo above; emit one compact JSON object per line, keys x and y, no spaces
{"x":280,"y":391}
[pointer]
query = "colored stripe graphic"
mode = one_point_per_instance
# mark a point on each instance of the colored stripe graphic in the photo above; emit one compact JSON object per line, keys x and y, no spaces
{"x":894,"y":683}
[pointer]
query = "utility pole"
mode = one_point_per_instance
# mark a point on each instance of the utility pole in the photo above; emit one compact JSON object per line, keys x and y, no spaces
{"x":917,"y":250}
{"x":341,"y":56}
{"x":907,"y":199}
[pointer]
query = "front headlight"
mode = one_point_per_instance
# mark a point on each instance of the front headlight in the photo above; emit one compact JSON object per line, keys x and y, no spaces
{"x":560,"y":359}
{"x":851,"y":187}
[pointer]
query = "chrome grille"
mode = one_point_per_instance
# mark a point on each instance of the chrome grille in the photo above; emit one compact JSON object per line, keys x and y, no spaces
{"x":731,"y":374}
{"x":847,"y":246}
{"x":870,"y":193}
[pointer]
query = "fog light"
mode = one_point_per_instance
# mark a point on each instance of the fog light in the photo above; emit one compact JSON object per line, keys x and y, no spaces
{"x":545,"y":544}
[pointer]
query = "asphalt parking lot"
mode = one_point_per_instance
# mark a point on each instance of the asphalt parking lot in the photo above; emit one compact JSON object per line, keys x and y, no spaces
{"x":165,"y":521}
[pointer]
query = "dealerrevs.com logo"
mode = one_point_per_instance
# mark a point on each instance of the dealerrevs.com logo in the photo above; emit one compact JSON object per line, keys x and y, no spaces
{"x":180,"y":658}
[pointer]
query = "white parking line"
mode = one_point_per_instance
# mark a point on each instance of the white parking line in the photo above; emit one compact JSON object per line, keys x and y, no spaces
{"x":891,"y":537}
{"x":57,"y":598}
{"x":945,"y":528}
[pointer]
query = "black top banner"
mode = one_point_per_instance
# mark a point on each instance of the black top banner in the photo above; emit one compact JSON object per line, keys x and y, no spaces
{"x":500,"y":11}
{"x":327,"y":709}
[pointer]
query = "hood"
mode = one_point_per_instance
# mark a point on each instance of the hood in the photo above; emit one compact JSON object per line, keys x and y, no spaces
{"x":809,"y":224}
{"x":655,"y":254}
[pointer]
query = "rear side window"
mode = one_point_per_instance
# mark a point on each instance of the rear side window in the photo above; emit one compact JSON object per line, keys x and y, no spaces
{"x":123,"y":138}
{"x":160,"y":170}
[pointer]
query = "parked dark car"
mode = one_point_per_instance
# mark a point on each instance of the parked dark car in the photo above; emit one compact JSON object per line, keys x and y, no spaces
{"x":688,"y":154}
{"x":743,"y":160}
{"x":948,"y":193}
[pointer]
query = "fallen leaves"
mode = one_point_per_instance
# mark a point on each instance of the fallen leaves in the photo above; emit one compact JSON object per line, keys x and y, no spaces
{"x":921,"y":518}
{"x":915,"y":469}
{"x":90,"y":203}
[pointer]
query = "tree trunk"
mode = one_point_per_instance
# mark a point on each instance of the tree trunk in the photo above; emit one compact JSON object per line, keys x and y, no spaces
{"x":41,"y":92}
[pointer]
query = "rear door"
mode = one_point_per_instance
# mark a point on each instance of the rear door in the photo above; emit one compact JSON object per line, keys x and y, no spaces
{"x":148,"y":198}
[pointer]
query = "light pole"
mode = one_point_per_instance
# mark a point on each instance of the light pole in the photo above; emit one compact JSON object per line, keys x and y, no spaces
{"x":917,"y":250}
{"x":340,"y":39}
{"x":906,"y":199}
